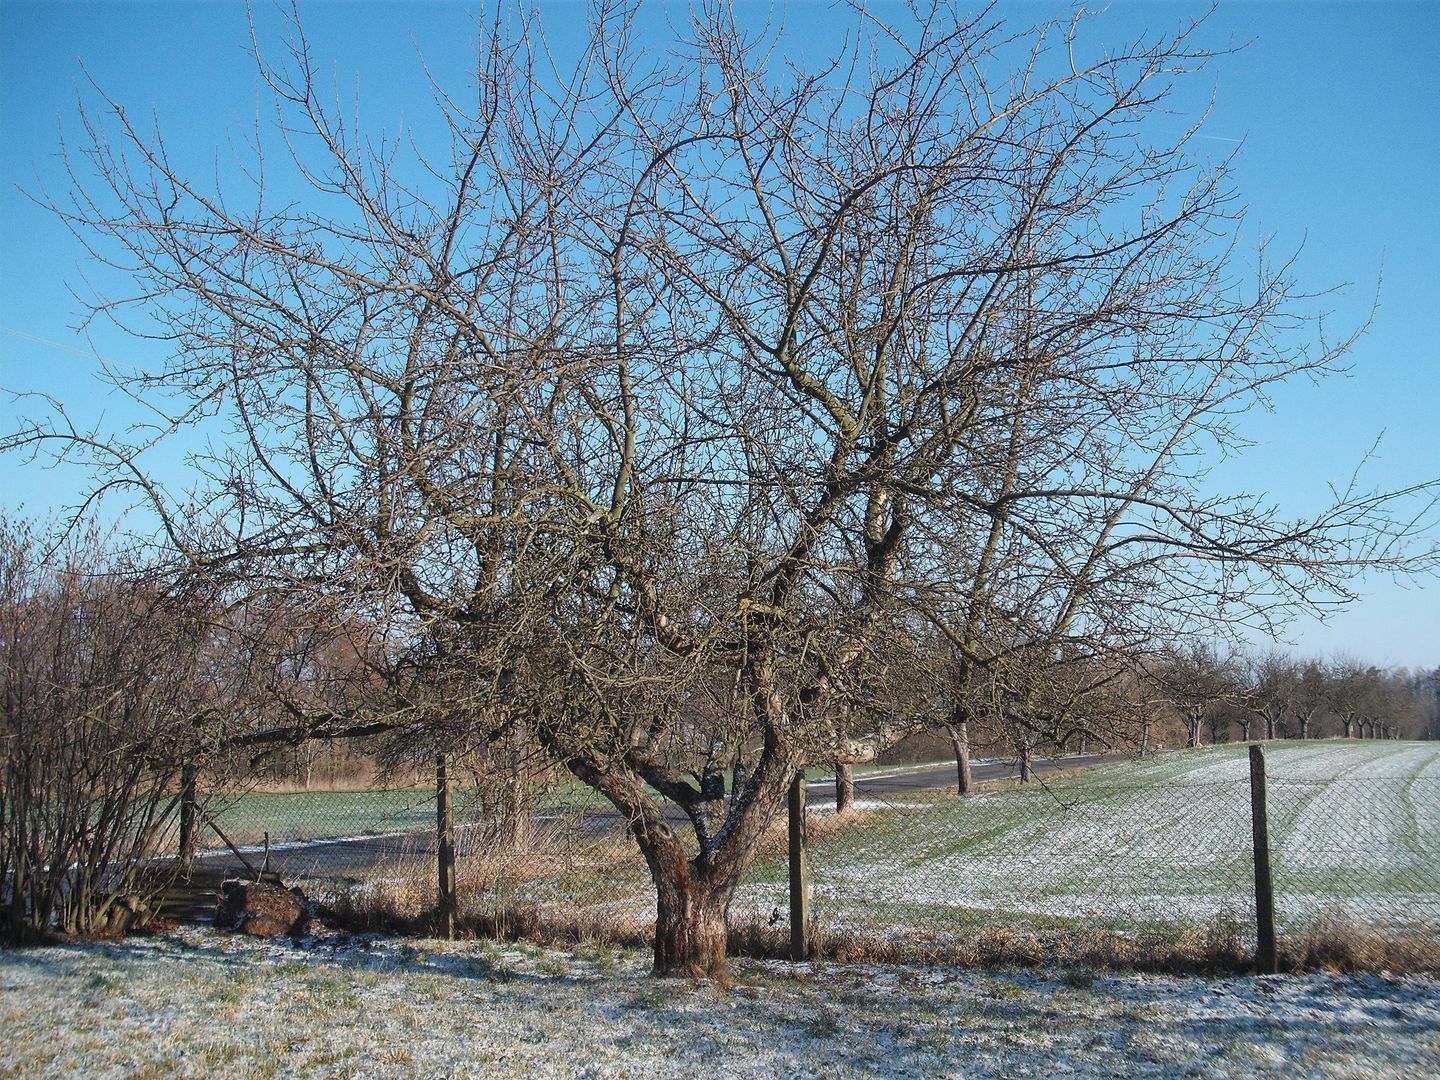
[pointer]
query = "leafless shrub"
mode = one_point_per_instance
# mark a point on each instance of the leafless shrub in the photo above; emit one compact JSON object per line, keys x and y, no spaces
{"x":103,"y":696}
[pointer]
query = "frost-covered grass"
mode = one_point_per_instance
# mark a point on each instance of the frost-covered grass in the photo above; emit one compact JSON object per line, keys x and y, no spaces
{"x":199,"y":1004}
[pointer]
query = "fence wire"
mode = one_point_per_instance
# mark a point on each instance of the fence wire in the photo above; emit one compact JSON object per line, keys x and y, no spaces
{"x":1362,"y":851}
{"x":927,"y":869}
{"x":938,"y":867}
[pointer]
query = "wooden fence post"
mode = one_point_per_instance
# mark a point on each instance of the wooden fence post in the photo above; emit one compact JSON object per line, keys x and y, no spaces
{"x":445,"y":848}
{"x":1266,"y":961}
{"x":187,"y":817}
{"x":799,"y":873}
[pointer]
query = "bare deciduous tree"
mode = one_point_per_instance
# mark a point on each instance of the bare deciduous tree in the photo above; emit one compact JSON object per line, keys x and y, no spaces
{"x":1195,"y":682}
{"x":667,"y":407}
{"x":1272,"y":692}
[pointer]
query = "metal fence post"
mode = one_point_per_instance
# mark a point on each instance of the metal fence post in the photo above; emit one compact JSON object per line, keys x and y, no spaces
{"x":799,"y":873}
{"x":1266,"y":960}
{"x":445,"y":848}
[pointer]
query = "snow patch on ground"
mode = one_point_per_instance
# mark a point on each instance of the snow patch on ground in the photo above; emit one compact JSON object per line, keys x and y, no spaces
{"x":198,"y":1003}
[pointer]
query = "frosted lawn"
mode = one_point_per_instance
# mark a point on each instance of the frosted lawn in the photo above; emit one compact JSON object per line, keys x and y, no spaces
{"x":197,"y":1003}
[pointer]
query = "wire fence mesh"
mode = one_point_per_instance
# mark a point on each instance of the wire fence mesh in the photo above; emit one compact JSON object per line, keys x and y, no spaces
{"x":1108,"y":856}
{"x":1354,"y":843}
{"x":1160,"y":846}
{"x":1363,"y":850}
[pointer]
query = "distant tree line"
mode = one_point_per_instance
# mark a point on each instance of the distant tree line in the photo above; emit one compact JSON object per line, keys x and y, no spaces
{"x":1219,"y":697}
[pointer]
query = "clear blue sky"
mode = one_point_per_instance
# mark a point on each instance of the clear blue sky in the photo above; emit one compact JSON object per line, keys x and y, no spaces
{"x":1334,"y":107}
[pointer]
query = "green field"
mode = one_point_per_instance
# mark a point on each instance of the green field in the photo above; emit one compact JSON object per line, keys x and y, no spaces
{"x":290,"y":817}
{"x":315,"y":815}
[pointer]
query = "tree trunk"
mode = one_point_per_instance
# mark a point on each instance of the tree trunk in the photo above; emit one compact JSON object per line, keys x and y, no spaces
{"x":1245,"y":730}
{"x":1192,"y":726}
{"x":187,"y":817}
{"x":19,"y":885}
{"x":1349,"y":722}
{"x":691,"y":928}
{"x":1304,"y":726}
{"x":447,"y":908}
{"x":844,"y":788}
{"x":960,"y":741}
{"x":1027,"y":770}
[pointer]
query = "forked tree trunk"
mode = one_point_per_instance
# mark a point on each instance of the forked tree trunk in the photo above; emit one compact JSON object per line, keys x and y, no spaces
{"x":844,"y":788}
{"x":692,"y":928}
{"x":693,"y":895}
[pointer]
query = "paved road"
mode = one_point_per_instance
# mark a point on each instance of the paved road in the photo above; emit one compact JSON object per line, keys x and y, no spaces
{"x":908,"y":778}
{"x":360,"y":856}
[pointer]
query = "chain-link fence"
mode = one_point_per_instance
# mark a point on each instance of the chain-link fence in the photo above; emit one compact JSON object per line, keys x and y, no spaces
{"x":1158,"y":847}
{"x":1165,"y":848}
{"x":560,"y":850}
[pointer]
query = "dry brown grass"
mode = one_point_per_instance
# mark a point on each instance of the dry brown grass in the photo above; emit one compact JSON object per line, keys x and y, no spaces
{"x":1219,"y":949}
{"x":1339,"y":945}
{"x":1214,"y":950}
{"x":489,"y":877}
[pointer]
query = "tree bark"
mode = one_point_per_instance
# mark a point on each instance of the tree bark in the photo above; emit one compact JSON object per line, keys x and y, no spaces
{"x":187,"y":817}
{"x":844,"y":788}
{"x":960,"y":741}
{"x":447,"y":906}
{"x":1027,"y":770}
{"x":691,"y":927}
